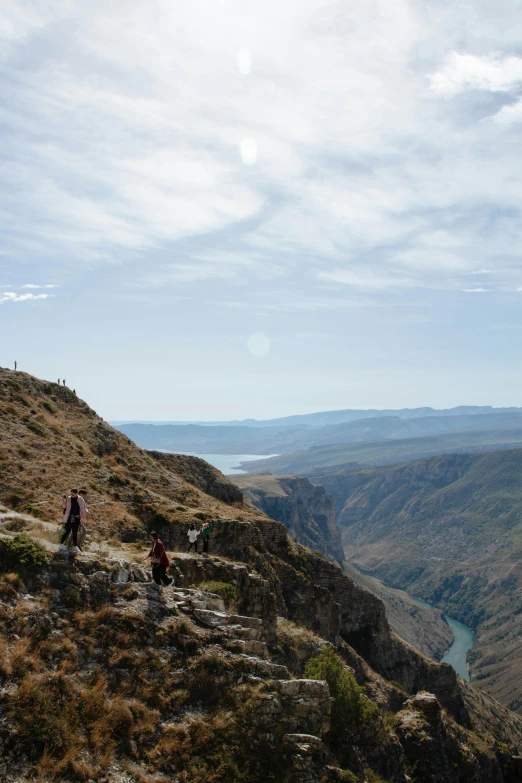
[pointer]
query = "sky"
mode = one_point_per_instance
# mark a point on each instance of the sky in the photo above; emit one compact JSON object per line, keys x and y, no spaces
{"x":231,"y":209}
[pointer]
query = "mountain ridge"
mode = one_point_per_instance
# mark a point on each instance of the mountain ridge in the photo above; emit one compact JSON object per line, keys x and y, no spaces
{"x":136,"y":677}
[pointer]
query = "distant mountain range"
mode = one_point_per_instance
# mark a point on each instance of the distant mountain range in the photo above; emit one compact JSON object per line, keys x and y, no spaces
{"x":325,"y":418}
{"x":330,"y":429}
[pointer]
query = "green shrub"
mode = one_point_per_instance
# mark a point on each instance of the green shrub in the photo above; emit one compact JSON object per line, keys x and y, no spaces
{"x":224,"y":589}
{"x":47,"y":406}
{"x":20,"y":554}
{"x":115,"y":480}
{"x":352,"y":712}
{"x":72,"y":598}
{"x":34,"y":427}
{"x":201,"y":515}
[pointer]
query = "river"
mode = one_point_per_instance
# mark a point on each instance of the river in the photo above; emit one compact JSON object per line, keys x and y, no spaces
{"x":463,"y":641}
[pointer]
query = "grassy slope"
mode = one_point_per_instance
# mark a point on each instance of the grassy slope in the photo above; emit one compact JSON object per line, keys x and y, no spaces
{"x":450,"y":530}
{"x":51,"y":440}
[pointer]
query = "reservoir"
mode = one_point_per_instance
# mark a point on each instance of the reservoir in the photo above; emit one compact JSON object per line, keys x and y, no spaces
{"x":227,"y":463}
{"x":464,"y":639}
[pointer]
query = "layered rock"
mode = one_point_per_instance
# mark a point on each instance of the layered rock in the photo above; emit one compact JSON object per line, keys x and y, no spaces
{"x":306,"y":510}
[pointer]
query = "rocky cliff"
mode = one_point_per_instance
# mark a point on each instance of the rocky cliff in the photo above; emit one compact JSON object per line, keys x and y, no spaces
{"x":447,"y":529}
{"x":306,"y":510}
{"x":200,"y":474}
{"x":106,"y":676}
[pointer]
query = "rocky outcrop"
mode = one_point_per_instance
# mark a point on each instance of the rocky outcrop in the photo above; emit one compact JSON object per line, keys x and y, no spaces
{"x":202,"y":475}
{"x":306,"y":510}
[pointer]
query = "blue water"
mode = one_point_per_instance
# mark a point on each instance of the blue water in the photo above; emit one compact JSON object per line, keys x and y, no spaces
{"x":457,"y":653}
{"x":463,"y":641}
{"x":228,"y":463}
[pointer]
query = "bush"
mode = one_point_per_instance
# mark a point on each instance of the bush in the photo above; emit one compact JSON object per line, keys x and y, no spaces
{"x":20,"y":554}
{"x":352,"y":711}
{"x":224,"y":589}
{"x":116,"y":480}
{"x":47,"y":406}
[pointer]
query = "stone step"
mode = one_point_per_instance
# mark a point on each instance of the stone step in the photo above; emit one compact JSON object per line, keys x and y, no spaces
{"x":266,"y":669}
{"x":242,"y":627}
{"x":247,"y":622}
{"x":254,"y":647}
{"x":211,"y":618}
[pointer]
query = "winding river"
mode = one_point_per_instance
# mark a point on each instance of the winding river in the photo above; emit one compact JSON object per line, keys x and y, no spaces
{"x":463,"y":640}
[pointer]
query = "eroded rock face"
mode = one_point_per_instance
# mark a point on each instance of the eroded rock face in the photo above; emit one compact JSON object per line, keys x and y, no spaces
{"x":202,"y":475}
{"x":306,"y":510}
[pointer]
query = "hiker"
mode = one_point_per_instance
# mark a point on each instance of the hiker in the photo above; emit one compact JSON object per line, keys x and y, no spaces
{"x":192,"y":535}
{"x":159,"y":560}
{"x":82,"y":535}
{"x":58,"y":381}
{"x":64,"y":381}
{"x":73,"y":517}
{"x":16,"y":366}
{"x":205,"y":534}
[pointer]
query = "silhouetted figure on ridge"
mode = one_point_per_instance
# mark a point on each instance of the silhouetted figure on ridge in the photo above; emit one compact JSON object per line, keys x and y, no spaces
{"x":16,"y":365}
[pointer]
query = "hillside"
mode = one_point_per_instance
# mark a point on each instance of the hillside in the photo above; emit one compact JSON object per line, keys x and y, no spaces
{"x":51,"y":440}
{"x":218,"y":439}
{"x":420,"y":626}
{"x":447,"y":529}
{"x":346,"y":456}
{"x":306,"y":510}
{"x":227,"y":676}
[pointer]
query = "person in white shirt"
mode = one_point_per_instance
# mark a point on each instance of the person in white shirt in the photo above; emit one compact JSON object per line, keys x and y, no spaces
{"x":192,"y":535}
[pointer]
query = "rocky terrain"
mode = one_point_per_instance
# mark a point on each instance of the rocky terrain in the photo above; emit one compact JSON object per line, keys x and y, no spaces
{"x":263,"y":662}
{"x":447,"y":529}
{"x":305,"y":509}
{"x":422,"y":627}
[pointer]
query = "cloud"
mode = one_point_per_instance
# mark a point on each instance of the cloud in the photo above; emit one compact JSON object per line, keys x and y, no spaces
{"x":475,"y":290}
{"x":10,"y":296}
{"x":32,"y":285}
{"x":197,"y":149}
{"x":459,"y":72}
{"x":366,"y":280}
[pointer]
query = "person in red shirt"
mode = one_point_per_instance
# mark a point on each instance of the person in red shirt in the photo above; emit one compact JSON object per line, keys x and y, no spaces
{"x":159,"y":560}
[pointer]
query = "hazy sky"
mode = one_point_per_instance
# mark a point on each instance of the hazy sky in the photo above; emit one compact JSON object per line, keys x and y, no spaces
{"x":235,"y":208}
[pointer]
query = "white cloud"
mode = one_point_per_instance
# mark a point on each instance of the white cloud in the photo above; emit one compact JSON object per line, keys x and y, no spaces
{"x":475,"y":290}
{"x":356,"y":163}
{"x":32,"y":285}
{"x":366,"y":280}
{"x":10,"y":296}
{"x":459,"y":72}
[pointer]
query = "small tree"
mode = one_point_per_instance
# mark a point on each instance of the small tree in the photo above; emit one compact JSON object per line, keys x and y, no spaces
{"x":20,"y":554}
{"x":352,"y":712}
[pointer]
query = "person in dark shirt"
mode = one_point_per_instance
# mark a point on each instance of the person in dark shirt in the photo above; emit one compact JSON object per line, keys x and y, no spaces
{"x":205,"y":535}
{"x":73,"y":517}
{"x":158,"y":558}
